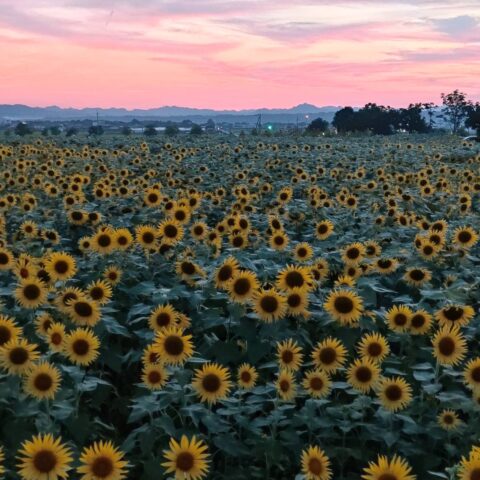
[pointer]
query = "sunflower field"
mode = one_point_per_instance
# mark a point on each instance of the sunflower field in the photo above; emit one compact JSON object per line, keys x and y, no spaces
{"x":240,"y":308}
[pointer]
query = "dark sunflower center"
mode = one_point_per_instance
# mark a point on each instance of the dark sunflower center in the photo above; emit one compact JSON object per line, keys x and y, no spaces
{"x":198,"y":230}
{"x":154,"y":377}
{"x":400,"y":319}
{"x":18,"y":355}
{"x":163,"y":319}
{"x":322,"y":229}
{"x":427,"y":249}
{"x":279,"y":240}
{"x":81,"y":347}
{"x":97,"y":293}
{"x":31,"y":292}
{"x":384,"y":263}
{"x":302,"y":252}
{"x":83,"y":309}
{"x":102,"y":467}
{"x":180,"y":215}
{"x":284,"y":385}
{"x":387,"y":476}
{"x":475,"y":474}
{"x":4,"y":258}
{"x":374,"y":349}
{"x":328,"y":355}
{"x":211,"y":383}
{"x":353,"y":253}
{"x":122,"y":240}
{"x":69,"y":296}
{"x":370,"y":250}
{"x":245,"y":376}
{"x":225,"y":273}
{"x":448,"y":419}
{"x":238,"y":241}
{"x":363,"y":374}
{"x":343,"y":304}
{"x":476,"y":374}
{"x":453,"y":313}
{"x":174,"y":345}
{"x":316,"y":383}
{"x":45,"y":461}
{"x":148,"y":237}
{"x":5,"y":334}
{"x":185,"y":461}
{"x":242,"y":286}
{"x":56,"y":338}
{"x":446,"y":346}
{"x":294,"y":300}
{"x":152,"y":197}
{"x":104,"y":240}
{"x":315,"y":466}
{"x":294,"y":279}
{"x":464,"y":237}
{"x":43,"y":382}
{"x":393,"y":393}
{"x":417,"y":275}
{"x":61,"y":267}
{"x":188,"y":268}
{"x":287,"y":356}
{"x":170,"y":231}
{"x":269,"y":304}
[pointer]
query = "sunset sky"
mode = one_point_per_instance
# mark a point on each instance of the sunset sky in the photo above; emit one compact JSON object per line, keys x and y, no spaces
{"x":236,"y":54}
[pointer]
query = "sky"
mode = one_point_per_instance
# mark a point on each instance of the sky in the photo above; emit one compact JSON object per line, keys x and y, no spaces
{"x":230,"y":54}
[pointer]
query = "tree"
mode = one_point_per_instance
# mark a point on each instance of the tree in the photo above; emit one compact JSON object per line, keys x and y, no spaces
{"x":210,"y":126}
{"x":95,"y":130}
{"x":343,"y":120}
{"x":196,"y":129}
{"x":411,"y":119}
{"x":473,"y":119}
{"x":22,"y":129}
{"x":455,"y":108}
{"x":429,"y":108}
{"x":150,"y":131}
{"x":171,"y":129}
{"x":71,"y":131}
{"x":55,"y":130}
{"x":319,"y":125}
{"x":126,"y":130}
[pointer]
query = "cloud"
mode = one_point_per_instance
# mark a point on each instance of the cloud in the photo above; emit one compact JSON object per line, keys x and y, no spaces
{"x":455,"y":26}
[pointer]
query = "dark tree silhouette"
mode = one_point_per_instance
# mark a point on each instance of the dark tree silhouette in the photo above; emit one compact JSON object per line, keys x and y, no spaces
{"x":150,"y":131}
{"x":473,"y":118}
{"x":319,"y":125}
{"x":196,"y":129}
{"x":171,"y":130}
{"x":22,"y":129}
{"x":455,"y":108}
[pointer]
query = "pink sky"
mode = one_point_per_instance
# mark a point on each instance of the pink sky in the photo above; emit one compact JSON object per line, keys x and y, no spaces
{"x":231,"y":54}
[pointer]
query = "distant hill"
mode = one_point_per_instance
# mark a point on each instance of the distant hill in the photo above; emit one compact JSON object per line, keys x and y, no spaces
{"x":24,"y":112}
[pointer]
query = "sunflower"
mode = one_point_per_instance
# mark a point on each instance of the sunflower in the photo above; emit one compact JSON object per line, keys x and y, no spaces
{"x":163,"y":316}
{"x":173,"y":346}
{"x":394,"y":393}
{"x":329,"y":355}
{"x":386,"y":265}
{"x":188,"y":459}
{"x":6,"y":259}
{"x":417,"y":276}
{"x":420,"y":322}
{"x":212,"y":383}
{"x":42,"y":380}
{"x":471,"y":374}
{"x":146,"y":236}
{"x":170,"y":231}
{"x":199,"y":230}
{"x":56,"y":336}
{"x":297,"y":302}
{"x":102,"y":461}
{"x":285,"y":385}
{"x":42,"y":323}
{"x":31,"y":293}
{"x":449,"y":420}
{"x":243,"y":286}
{"x":469,"y":468}
{"x":122,"y":238}
{"x":44,"y":457}
{"x":289,"y":355}
{"x":150,"y":356}
{"x":372,"y":249}
{"x":344,"y":306}
{"x":83,"y":312}
{"x":317,"y":383}
{"x":226,"y":271}
{"x":449,"y":345}
{"x":295,"y":277}
{"x":9,"y":330}
{"x":2,"y":458}
{"x":428,"y":250}
{"x":383,"y":469}
{"x":103,"y":241}
{"x":17,"y":355}
{"x":324,"y":229}
{"x":100,"y":291}
{"x":353,"y":254}
{"x":374,"y":346}
{"x":399,"y":318}
{"x":303,"y":252}
{"x":154,"y":376}
{"x":455,"y":315}
{"x":269,"y":305}
{"x":279,"y":240}
{"x":465,"y":237}
{"x":81,"y":346}
{"x":181,"y":214}
{"x":246,"y":376}
{"x":363,"y":374}
{"x":60,"y":266}
{"x":187,"y":270}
